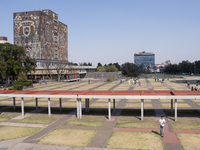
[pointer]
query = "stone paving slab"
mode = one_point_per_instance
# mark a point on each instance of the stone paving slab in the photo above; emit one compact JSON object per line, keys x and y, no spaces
{"x":172,"y":146}
{"x":10,"y":143}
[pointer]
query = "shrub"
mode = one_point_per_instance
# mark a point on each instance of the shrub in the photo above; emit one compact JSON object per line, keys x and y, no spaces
{"x":10,"y":88}
{"x":18,"y":85}
{"x":110,"y":79}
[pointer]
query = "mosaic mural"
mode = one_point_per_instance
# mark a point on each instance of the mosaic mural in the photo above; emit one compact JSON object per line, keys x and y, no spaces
{"x":41,"y":35}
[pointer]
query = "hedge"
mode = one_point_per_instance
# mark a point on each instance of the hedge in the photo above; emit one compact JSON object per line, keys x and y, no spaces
{"x":110,"y":79}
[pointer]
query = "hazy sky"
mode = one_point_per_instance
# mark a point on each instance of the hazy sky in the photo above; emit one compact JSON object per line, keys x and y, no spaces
{"x":114,"y":30}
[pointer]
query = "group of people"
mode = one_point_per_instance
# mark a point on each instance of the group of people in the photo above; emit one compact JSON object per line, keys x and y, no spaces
{"x":192,"y":88}
{"x":42,"y":81}
{"x":134,"y":82}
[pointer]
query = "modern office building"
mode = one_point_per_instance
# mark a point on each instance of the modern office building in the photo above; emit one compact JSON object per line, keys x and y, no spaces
{"x":3,"y":39}
{"x":41,"y":34}
{"x":144,"y":58}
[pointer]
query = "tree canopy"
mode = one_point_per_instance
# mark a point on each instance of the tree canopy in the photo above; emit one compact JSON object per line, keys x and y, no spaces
{"x":13,"y":60}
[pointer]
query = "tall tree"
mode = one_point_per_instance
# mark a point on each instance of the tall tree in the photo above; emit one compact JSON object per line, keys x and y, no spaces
{"x":129,"y":69}
{"x":60,"y":67}
{"x":13,"y":57}
{"x":117,"y":66}
{"x":99,"y":64}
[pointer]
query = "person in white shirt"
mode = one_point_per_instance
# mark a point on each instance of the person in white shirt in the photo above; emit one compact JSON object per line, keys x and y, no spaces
{"x":162,"y":125}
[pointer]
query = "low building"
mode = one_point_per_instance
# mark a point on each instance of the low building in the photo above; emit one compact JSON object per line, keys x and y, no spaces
{"x":3,"y":39}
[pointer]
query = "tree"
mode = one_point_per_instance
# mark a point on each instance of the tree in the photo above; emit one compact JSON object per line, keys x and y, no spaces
{"x":168,"y":62}
{"x":129,"y":69}
{"x":141,"y":69}
{"x":29,"y":64}
{"x":60,"y":67}
{"x":99,"y":64}
{"x":47,"y":65}
{"x":13,"y":58}
{"x":101,"y":69}
{"x":117,"y":66}
{"x":107,"y":68}
{"x":89,"y":64}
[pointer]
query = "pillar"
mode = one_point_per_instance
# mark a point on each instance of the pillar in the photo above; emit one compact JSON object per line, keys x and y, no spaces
{"x":77,"y":108}
{"x":171,"y":106}
{"x":60,"y":101}
{"x":86,"y":105}
{"x":36,"y":103}
{"x":14,"y":103}
{"x":22,"y":106}
{"x":142,"y":109}
{"x":109,"y":110}
{"x":49,"y":107}
{"x":114,"y":105}
{"x":175,"y":110}
{"x":80,"y":109}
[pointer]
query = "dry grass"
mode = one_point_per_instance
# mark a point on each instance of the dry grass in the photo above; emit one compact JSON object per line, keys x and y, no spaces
{"x":138,"y":105}
{"x":39,"y":103}
{"x":8,"y":102}
{"x":179,"y":105}
{"x":71,"y":104}
{"x":89,"y":121}
{"x":189,"y":141}
{"x":40,"y":119}
{"x":138,"y":100}
{"x":169,"y":100}
{"x":102,"y":105}
{"x":68,"y":137}
{"x":106,"y":100}
{"x":7,"y":116}
{"x":196,"y":100}
{"x":8,"y":133}
{"x":134,"y":140}
{"x":133,"y":122}
{"x":186,"y":123}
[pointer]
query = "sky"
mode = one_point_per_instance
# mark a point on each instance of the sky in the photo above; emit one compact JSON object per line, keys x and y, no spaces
{"x":110,"y":31}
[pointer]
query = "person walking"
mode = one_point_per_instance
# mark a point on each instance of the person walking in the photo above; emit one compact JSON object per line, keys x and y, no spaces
{"x":162,"y":125}
{"x":139,"y":83}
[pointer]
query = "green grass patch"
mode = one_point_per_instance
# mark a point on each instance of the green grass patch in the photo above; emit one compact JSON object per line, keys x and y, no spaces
{"x":88,"y":121}
{"x":7,"y":116}
{"x":68,"y":137}
{"x":134,"y":140}
{"x":8,"y":133}
{"x":185,"y":123}
{"x":133,"y":122}
{"x":137,"y":112}
{"x":40,"y":119}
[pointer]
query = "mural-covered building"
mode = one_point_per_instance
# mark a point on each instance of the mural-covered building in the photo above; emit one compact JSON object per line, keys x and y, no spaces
{"x":144,"y":58}
{"x":41,"y":34}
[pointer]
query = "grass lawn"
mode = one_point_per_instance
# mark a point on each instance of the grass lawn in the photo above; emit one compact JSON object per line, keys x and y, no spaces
{"x":96,"y":111}
{"x":39,"y":103}
{"x":68,"y":137}
{"x":137,"y":112}
{"x":133,"y":122}
{"x":106,"y":100}
{"x":138,"y":100}
{"x":135,"y":140}
{"x":18,"y":109}
{"x":102,"y":105}
{"x":89,"y":121}
{"x":185,"y":123}
{"x":7,"y":116}
{"x":71,"y":104}
{"x":56,"y":110}
{"x":138,"y":105}
{"x":9,"y":102}
{"x":179,"y":105}
{"x":183,"y":113}
{"x":40,"y":119}
{"x":169,"y":100}
{"x":189,"y":141}
{"x":196,"y":100}
{"x":8,"y":133}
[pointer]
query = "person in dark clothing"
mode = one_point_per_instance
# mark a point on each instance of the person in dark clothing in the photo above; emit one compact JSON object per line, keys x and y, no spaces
{"x":192,"y":89}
